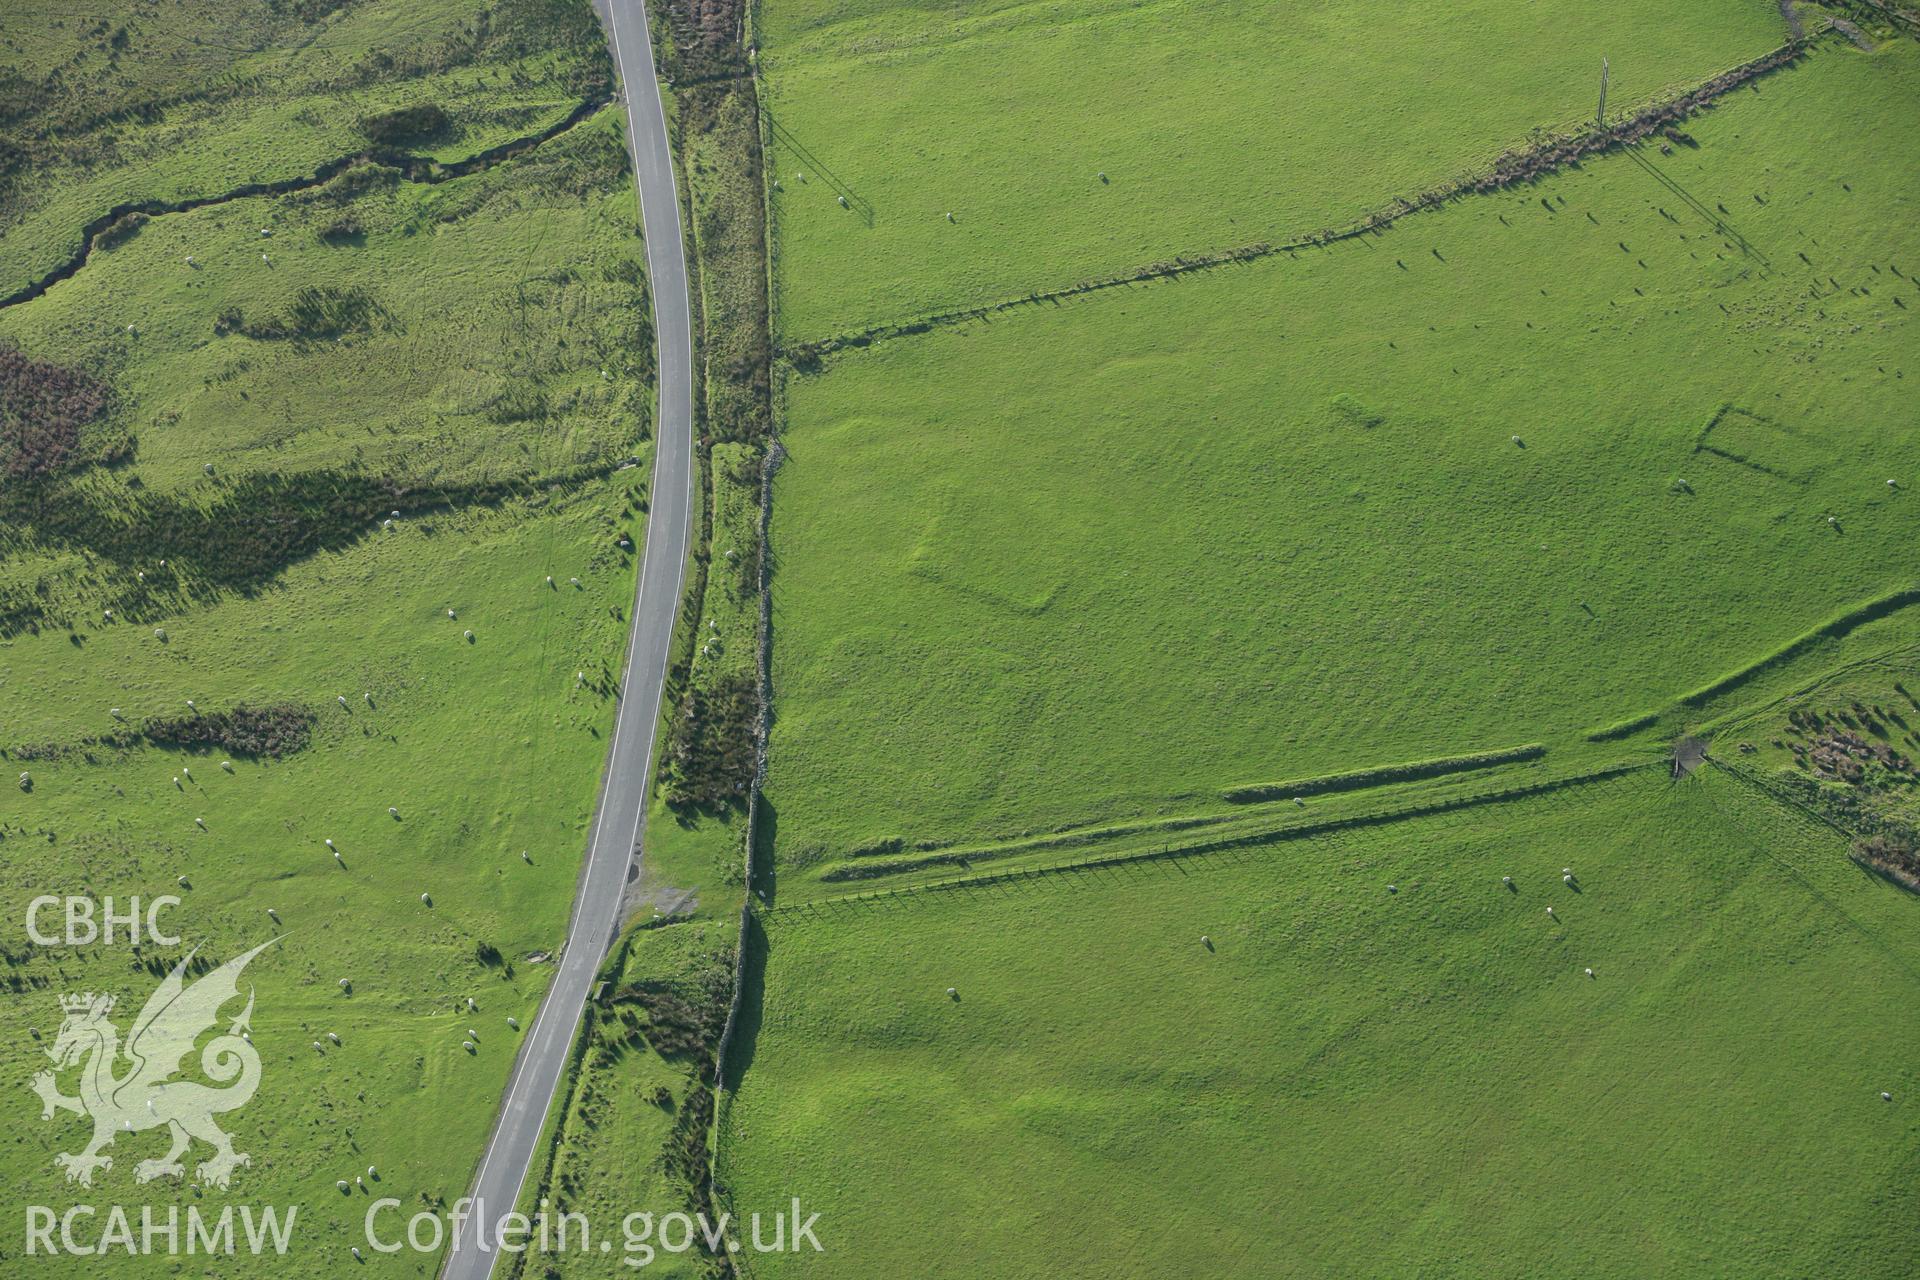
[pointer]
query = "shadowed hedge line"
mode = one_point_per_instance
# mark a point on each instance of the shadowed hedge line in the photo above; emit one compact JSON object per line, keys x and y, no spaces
{"x":1360,"y":778}
{"x":250,"y":531}
{"x":1833,"y":629}
{"x":270,"y":732}
{"x":1378,"y":817}
{"x":1523,"y":164}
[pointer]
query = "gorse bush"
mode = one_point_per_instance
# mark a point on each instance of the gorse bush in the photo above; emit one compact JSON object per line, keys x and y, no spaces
{"x":318,"y":311}
{"x":43,"y":405}
{"x":271,"y":731}
{"x":406,"y":124}
{"x":710,"y":755}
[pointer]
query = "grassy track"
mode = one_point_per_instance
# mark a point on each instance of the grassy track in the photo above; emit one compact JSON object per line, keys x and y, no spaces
{"x":1358,"y":1082}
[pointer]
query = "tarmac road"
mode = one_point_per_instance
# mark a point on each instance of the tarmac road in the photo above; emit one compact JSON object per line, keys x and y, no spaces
{"x":620,"y":819}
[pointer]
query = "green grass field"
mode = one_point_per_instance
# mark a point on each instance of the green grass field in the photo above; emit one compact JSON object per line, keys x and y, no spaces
{"x":485,"y":749}
{"x":1353,"y":1081}
{"x":471,"y":351}
{"x":133,"y":102}
{"x":1562,"y":470}
{"x":1218,"y":123}
{"x":1099,"y":560}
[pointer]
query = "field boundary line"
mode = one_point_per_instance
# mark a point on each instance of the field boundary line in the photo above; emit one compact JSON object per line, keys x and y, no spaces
{"x":1381,"y":775}
{"x":1510,"y":168}
{"x":414,"y":168}
{"x":1768,"y":792}
{"x":1836,"y":628}
{"x":1205,"y":848}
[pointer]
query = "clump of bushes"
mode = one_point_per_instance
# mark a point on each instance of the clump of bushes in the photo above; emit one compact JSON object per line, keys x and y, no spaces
{"x":43,"y":405}
{"x":121,"y":230}
{"x":405,"y":124}
{"x":355,"y":181}
{"x":271,"y":731}
{"x":710,"y":754}
{"x":345,"y":229}
{"x":1891,"y":853}
{"x":318,"y":311}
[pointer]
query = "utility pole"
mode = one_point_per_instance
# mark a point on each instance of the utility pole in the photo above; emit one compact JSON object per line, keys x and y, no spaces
{"x":1600,"y":116}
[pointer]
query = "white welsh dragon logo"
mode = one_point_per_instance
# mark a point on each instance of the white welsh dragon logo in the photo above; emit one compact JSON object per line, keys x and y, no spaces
{"x":145,"y":1097}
